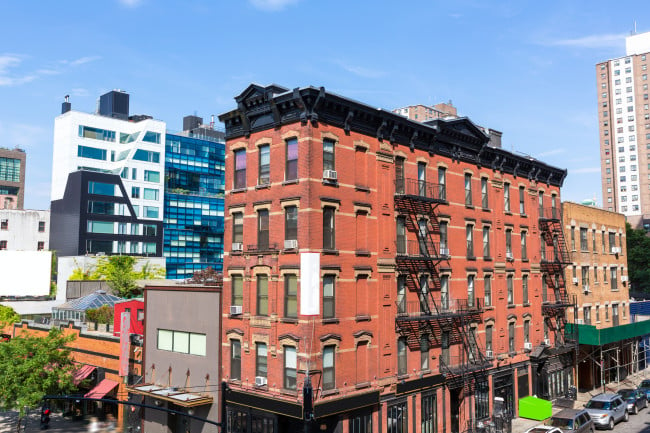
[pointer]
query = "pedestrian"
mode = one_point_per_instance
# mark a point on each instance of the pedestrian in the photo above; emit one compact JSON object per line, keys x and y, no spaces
{"x":94,"y":426}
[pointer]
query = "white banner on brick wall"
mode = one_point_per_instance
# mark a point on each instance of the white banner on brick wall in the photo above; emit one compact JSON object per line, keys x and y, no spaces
{"x":310,"y":284}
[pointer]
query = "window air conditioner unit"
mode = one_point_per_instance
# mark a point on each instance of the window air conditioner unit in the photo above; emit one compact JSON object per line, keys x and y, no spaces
{"x":329,"y":174}
{"x":616,"y":250}
{"x":624,"y":278}
{"x":237,"y":246}
{"x":528,"y":346}
{"x":488,"y":354}
{"x":290,"y":244}
{"x":547,"y":341}
{"x":586,"y":289}
{"x":260,"y":381}
{"x":444,"y":251}
{"x":509,"y":256}
{"x":235,"y":310}
{"x":575,"y":280}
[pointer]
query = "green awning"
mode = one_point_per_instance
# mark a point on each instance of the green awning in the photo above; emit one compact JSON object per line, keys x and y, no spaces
{"x":535,"y":408}
{"x":590,"y":335}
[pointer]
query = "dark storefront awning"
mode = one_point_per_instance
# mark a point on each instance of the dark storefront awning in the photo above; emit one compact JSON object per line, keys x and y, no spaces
{"x":174,"y":395}
{"x":82,"y":373}
{"x":103,"y":388}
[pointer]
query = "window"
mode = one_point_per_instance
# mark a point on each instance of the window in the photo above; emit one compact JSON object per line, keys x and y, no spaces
{"x":469,"y":235}
{"x":261,"y":366}
{"x":290,"y":296}
{"x":444,"y":247}
{"x":424,"y":352}
{"x":487,"y":289}
{"x":134,"y":175}
{"x":291,"y":167}
{"x":442,"y":182}
{"x":593,"y":240}
{"x":238,"y":227}
{"x":401,"y":357}
{"x":150,"y":212}
{"x":429,"y":414}
{"x":96,"y":133}
{"x":585,"y":277}
{"x":422,"y":179}
{"x":262,"y":295}
{"x":511,"y":337}
{"x":264,"y":165}
{"x":524,"y":247}
{"x":91,"y":153}
{"x":584,"y":246}
{"x":329,"y":228}
{"x":3,"y":245}
{"x":511,"y":289}
{"x":401,"y":294}
{"x":524,"y":288}
{"x":573,"y":238}
{"x":263,"y":229}
{"x":98,"y":227}
{"x":612,"y":279}
{"x":150,"y":176}
{"x":468,"y":189}
{"x":10,"y":169}
{"x":240,"y":169}
{"x":399,"y":175}
{"x":509,"y":254}
{"x":614,"y":314}
{"x":522,"y":203}
{"x":603,"y":242}
{"x":597,"y":313}
{"x":540,"y":200}
{"x":290,"y":367}
{"x":329,"y":306}
{"x":40,"y":246}
{"x":328,"y":367}
{"x":328,"y":155}
{"x":291,"y":223}
{"x":150,"y":194}
{"x":4,"y":225}
{"x":401,"y":235}
{"x":527,"y":331}
{"x":237,"y":290}
{"x":586,"y":314}
{"x":360,"y":423}
{"x":486,"y":242}
{"x":506,"y":197}
{"x":612,"y":242}
{"x":484,"y":193}
{"x":235,"y":359}
{"x":488,"y":337}
{"x":151,"y":137}
{"x":135,"y":192}
{"x":182,"y":342}
{"x":101,"y":188}
{"x":146,"y":155}
{"x":397,"y":418}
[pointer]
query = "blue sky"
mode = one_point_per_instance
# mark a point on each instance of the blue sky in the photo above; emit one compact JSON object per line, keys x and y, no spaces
{"x":526,"y":68}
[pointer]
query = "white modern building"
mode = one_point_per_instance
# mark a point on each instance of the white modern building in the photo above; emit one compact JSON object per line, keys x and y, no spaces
{"x":24,"y":230}
{"x":624,"y":124}
{"x":107,"y":181}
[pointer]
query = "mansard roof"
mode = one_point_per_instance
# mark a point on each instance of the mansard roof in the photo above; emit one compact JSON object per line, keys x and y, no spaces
{"x":268,"y":107}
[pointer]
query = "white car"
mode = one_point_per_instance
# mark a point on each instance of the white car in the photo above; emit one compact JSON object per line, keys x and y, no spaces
{"x":543,"y":429}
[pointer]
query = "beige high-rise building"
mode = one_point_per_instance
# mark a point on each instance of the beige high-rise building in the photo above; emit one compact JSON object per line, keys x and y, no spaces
{"x":624,"y":124}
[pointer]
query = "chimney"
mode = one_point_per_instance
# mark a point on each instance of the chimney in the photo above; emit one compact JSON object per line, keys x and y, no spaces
{"x":66,"y":106}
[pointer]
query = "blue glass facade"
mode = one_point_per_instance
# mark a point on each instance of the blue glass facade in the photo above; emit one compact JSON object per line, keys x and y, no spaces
{"x":194,"y":205}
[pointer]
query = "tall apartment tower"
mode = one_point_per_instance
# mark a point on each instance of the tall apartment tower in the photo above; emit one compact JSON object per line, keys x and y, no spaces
{"x":383,"y":274}
{"x":424,"y":113}
{"x":624,"y":124}
{"x":12,"y":178}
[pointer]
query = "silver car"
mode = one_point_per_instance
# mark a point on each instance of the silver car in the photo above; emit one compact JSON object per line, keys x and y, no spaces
{"x":607,"y":409}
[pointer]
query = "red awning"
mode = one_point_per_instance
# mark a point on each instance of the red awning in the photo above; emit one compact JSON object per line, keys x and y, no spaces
{"x":82,"y":373}
{"x":104,"y":387}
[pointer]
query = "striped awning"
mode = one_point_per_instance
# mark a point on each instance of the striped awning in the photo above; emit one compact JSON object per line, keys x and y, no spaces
{"x":82,"y":373}
{"x":103,"y":388}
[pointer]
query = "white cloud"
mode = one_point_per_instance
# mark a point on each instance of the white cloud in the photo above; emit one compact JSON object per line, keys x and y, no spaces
{"x":611,"y":40}
{"x":360,"y":70}
{"x":272,"y":5}
{"x":79,"y":92}
{"x":550,"y":152}
{"x":585,"y":170}
{"x":11,"y":62}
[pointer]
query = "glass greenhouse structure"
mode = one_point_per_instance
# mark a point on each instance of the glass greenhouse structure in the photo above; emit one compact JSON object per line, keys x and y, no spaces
{"x":76,"y":309}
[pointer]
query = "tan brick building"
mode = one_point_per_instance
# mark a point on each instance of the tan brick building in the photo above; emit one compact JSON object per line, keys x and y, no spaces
{"x":598,"y":275}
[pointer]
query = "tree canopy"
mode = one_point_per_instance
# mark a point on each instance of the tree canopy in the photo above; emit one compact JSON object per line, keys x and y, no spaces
{"x":120,"y":274}
{"x":8,"y":316}
{"x":638,"y":259}
{"x":208,"y":276}
{"x":34,"y":366}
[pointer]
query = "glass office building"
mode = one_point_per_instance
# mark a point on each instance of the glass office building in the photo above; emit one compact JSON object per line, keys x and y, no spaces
{"x":194,"y":204}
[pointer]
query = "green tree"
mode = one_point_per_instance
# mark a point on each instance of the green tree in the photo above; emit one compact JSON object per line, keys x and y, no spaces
{"x":103,"y":314}
{"x":8,"y":316}
{"x":638,"y":259}
{"x":118,"y":272}
{"x":32,"y":367}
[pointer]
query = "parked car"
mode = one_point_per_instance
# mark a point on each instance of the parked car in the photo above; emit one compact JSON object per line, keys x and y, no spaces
{"x":634,"y":398}
{"x":645,"y":387}
{"x":571,"y":421}
{"x":607,"y":409}
{"x":544,"y":429}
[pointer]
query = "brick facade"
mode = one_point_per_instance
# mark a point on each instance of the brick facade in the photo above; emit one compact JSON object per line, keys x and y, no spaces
{"x":403,"y":308}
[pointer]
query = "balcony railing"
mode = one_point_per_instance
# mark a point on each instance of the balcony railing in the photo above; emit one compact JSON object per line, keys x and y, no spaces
{"x":418,"y":248}
{"x":420,"y":189}
{"x":438,"y":306}
{"x":550,"y":213}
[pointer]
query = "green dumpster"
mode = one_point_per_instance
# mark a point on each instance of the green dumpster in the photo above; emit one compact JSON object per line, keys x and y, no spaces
{"x":535,"y":408}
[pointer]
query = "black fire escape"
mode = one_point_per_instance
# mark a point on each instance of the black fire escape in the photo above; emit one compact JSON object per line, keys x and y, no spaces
{"x":554,"y":259}
{"x":444,"y":321}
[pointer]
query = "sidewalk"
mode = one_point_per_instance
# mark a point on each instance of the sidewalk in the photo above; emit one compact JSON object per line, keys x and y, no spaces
{"x":520,"y":425}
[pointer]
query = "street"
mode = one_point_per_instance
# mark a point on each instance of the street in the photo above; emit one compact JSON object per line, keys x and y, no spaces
{"x":57,"y":423}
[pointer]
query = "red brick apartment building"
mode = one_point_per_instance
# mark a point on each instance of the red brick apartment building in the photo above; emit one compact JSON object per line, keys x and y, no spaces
{"x":440,"y":272}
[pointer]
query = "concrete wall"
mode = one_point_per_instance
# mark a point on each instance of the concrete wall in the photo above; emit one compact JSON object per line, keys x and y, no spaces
{"x":22,"y":233}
